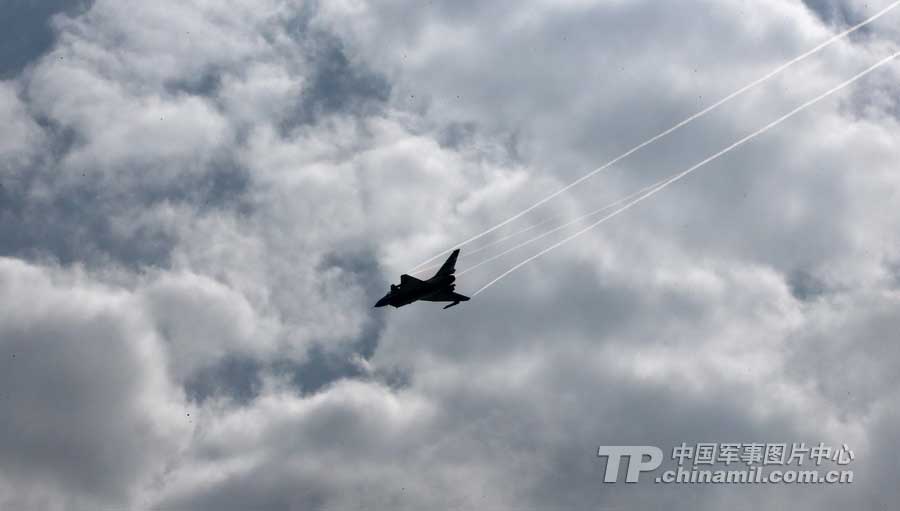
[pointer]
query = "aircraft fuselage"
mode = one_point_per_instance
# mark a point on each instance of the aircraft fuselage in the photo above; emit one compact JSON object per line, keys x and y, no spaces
{"x":439,"y":288}
{"x":409,"y":292}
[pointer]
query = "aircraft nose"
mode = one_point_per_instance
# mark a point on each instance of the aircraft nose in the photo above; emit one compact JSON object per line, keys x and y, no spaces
{"x":382,"y":302}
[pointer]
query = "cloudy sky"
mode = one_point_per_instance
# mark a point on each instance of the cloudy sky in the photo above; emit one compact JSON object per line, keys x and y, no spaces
{"x":201,"y":200}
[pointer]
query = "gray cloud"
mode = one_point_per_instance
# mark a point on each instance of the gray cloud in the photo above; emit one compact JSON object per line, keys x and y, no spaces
{"x":88,"y":408}
{"x":201,"y":203}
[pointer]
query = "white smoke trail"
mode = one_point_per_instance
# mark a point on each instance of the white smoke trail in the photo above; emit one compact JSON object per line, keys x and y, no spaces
{"x":680,"y":175}
{"x":662,"y":134}
{"x":532,"y":227}
{"x":561,"y":227}
{"x":489,"y":245}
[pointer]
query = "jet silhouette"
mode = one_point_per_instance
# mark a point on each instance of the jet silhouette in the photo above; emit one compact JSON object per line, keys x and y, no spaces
{"x":438,"y":288}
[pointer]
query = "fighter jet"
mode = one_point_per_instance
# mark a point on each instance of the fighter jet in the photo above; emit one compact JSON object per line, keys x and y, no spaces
{"x":438,"y":288}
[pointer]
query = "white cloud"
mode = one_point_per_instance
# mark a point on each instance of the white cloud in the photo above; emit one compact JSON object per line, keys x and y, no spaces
{"x":238,"y":181}
{"x":89,"y":409}
{"x":21,"y":136}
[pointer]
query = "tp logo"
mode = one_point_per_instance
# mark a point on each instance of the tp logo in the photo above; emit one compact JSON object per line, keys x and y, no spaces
{"x":636,"y":463}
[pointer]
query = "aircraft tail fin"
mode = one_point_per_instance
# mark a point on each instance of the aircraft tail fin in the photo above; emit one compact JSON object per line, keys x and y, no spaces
{"x":449,"y":266}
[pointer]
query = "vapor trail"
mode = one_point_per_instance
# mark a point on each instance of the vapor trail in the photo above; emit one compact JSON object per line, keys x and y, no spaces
{"x":662,"y":134}
{"x":489,"y":245}
{"x":560,"y":227}
{"x":534,"y":226}
{"x":680,"y":175}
